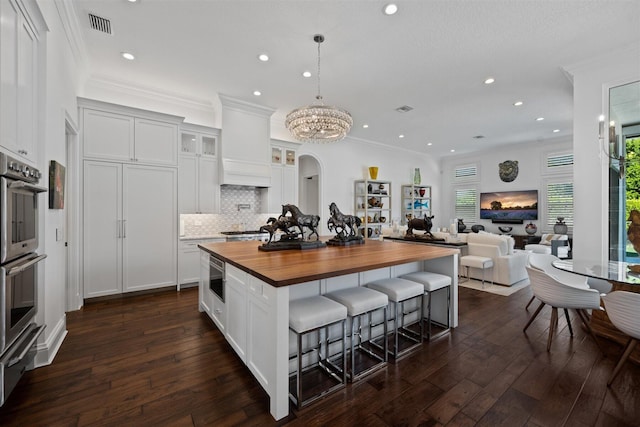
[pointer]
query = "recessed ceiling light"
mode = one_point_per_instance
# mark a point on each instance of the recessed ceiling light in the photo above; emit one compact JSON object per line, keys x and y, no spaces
{"x":518,"y":103}
{"x":400,"y":136}
{"x":390,"y":9}
{"x":489,"y":81}
{"x":453,"y":151}
{"x":539,"y":119}
{"x":306,"y":74}
{"x":257,"y":93}
{"x":365,"y":126}
{"x":263,"y":57}
{"x":556,"y":130}
{"x":429,"y":144}
{"x":129,"y":56}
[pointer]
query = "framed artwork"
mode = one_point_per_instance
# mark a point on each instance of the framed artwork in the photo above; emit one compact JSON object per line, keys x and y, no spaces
{"x":56,"y":185}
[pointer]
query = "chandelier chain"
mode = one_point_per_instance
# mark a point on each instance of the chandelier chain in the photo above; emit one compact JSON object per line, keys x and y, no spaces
{"x":319,"y":96}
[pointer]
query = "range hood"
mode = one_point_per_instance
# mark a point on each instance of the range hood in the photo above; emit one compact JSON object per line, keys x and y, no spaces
{"x":245,"y":143}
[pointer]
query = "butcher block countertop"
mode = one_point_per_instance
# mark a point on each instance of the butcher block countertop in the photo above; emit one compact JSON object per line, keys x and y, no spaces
{"x":289,"y":267}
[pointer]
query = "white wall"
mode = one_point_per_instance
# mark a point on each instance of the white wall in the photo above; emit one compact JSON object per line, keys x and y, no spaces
{"x":62,"y":76}
{"x":591,"y":83}
{"x":531,"y":157}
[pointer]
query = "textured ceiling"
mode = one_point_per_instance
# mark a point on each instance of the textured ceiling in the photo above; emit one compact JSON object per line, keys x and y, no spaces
{"x":432,"y":55}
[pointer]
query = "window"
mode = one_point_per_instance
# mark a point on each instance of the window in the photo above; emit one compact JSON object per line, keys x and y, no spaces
{"x":466,"y":173}
{"x":559,"y":202}
{"x":558,"y":160}
{"x":466,"y":204}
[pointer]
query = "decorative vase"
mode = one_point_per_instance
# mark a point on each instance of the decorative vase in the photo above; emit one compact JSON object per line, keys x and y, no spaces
{"x":373,"y":172}
{"x":422,"y":191}
{"x":560,"y":227}
{"x":416,"y":177}
{"x":530,"y":228}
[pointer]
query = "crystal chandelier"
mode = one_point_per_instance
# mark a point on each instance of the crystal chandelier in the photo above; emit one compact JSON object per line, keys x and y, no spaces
{"x":318,"y":122}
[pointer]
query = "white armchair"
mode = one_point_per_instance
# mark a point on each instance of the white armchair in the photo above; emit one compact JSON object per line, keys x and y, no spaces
{"x":509,"y":266}
{"x":556,"y":244}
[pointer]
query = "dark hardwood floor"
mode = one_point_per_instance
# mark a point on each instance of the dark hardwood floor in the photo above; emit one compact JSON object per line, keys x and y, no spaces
{"x":155,"y":360}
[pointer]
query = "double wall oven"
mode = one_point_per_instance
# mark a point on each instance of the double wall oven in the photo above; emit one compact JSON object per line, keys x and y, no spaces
{"x":19,"y":192}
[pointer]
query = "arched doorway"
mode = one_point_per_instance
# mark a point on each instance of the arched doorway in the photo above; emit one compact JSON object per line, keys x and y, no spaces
{"x":310,"y":188}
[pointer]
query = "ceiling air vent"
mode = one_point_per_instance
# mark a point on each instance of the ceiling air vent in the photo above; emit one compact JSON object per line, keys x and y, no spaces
{"x":404,"y":109}
{"x":100,"y":24}
{"x":478,"y":137}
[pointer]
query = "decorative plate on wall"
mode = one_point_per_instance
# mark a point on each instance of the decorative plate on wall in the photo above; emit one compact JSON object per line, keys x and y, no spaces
{"x":508,"y":170}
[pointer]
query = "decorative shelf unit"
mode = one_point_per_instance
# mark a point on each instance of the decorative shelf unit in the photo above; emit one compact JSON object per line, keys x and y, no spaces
{"x":372,"y":203}
{"x":416,"y":201}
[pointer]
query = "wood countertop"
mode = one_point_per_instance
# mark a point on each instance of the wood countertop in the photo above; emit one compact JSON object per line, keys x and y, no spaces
{"x":283,"y":268}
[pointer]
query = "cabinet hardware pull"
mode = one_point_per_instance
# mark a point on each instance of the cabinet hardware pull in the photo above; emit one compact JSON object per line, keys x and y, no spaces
{"x":118,"y":233}
{"x":124,"y":228}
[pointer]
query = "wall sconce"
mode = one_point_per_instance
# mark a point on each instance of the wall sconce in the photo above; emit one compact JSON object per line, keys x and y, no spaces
{"x":610,"y":146}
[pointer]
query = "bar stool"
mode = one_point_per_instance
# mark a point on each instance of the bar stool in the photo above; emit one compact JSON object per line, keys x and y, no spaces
{"x":400,"y":291}
{"x":433,"y":282}
{"x":311,"y":314}
{"x":360,"y":301}
{"x":475,"y":261}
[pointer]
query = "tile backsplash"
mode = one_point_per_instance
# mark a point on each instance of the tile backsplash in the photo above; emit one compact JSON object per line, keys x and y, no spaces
{"x":240,"y":209}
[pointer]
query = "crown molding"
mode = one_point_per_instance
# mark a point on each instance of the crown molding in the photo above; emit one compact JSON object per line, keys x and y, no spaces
{"x":71,"y":26}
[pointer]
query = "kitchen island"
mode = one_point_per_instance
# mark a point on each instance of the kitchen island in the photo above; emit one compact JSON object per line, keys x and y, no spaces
{"x":253,"y":312}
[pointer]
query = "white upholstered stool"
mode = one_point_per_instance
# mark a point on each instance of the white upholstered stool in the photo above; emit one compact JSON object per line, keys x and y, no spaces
{"x":360,"y":301}
{"x":474,"y":261}
{"x":433,"y":282}
{"x":311,"y":314}
{"x":400,"y":291}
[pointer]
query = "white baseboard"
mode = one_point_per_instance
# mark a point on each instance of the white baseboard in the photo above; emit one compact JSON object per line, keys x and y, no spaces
{"x":47,"y":351}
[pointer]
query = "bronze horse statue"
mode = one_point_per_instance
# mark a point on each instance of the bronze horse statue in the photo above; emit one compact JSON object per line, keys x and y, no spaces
{"x":282,"y":224}
{"x":340,"y":222}
{"x":301,"y":220}
{"x":421,"y":224}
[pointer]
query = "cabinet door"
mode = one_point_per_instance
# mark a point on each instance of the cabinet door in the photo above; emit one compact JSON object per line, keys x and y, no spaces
{"x":9,"y":18}
{"x":236,"y":307}
{"x":27,"y":77}
{"x":150,"y":227}
{"x":189,"y":263}
{"x":188,"y":184}
{"x":275,"y":191}
{"x":289,"y":185}
{"x":156,"y":142}
{"x":204,"y":295}
{"x":102,"y":272}
{"x":260,"y":341}
{"x":108,"y":135}
{"x":208,"y":185}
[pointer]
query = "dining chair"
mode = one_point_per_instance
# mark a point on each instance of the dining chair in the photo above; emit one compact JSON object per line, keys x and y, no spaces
{"x":556,"y":294}
{"x":544,"y":262}
{"x":623,"y":309}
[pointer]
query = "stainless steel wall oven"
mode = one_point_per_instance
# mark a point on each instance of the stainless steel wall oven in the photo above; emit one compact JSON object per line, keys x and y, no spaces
{"x":18,"y":269}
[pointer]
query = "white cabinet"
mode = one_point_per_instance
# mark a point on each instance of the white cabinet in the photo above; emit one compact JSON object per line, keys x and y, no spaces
{"x":19,"y":92}
{"x":236,"y":307}
{"x":189,"y":260}
{"x":416,"y":202}
{"x":198,"y":189}
{"x":245,"y":317}
{"x":125,"y":207}
{"x":124,"y":134}
{"x":373,"y":205}
{"x":284,"y":176}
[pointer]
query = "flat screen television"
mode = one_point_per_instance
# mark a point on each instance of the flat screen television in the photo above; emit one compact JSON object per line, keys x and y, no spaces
{"x":509,"y":207}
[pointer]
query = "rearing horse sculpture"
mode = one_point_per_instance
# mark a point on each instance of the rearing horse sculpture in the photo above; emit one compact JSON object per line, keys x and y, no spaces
{"x":302,"y":220}
{"x":340,"y":222}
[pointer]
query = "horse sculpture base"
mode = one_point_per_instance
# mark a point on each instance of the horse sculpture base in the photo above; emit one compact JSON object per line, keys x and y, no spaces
{"x":426,"y":237}
{"x":337,"y":241}
{"x":286,"y":244}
